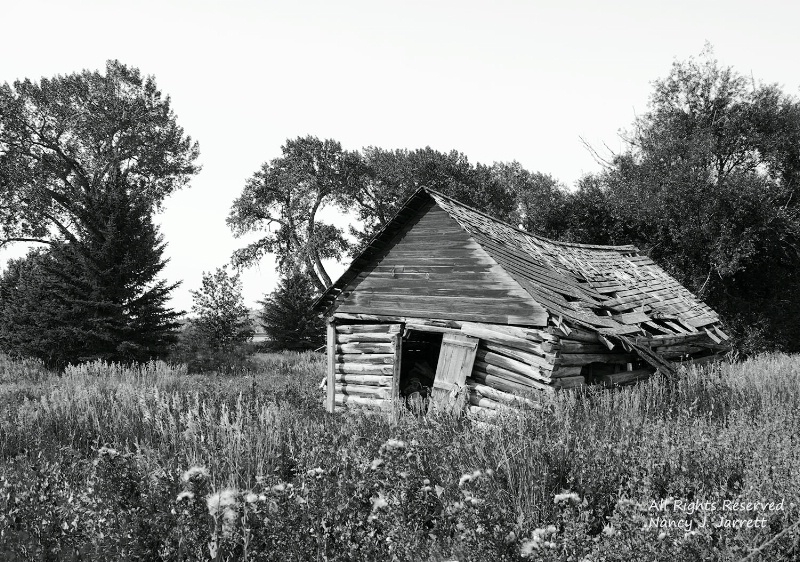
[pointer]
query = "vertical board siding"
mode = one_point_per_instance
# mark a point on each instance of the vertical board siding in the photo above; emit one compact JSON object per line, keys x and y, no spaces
{"x":455,"y":363}
{"x":435,"y":269}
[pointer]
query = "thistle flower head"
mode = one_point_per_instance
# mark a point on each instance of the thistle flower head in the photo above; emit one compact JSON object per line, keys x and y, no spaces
{"x":185,"y":495}
{"x":566,"y":497}
{"x":195,"y":473}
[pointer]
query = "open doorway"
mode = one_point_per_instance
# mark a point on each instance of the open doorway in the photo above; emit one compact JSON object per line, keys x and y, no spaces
{"x":418,"y":367}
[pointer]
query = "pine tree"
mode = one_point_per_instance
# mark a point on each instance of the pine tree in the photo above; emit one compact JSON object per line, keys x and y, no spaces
{"x":94,"y":295}
{"x":287,"y":315}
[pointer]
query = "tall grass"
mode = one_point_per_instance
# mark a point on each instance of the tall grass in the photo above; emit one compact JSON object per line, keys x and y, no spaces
{"x":723,"y":432}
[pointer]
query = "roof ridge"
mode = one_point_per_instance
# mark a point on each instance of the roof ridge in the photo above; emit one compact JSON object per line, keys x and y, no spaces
{"x":626,"y":247}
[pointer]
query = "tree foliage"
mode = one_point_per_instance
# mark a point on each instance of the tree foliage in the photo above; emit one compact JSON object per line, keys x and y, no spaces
{"x":63,"y":139}
{"x":94,"y":298}
{"x":708,"y":186}
{"x":287,"y":315}
{"x":223,"y":320}
{"x":389,"y":177}
{"x":288,"y":194}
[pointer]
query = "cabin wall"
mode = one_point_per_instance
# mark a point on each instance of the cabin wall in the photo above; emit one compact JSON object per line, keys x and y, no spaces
{"x":365,"y":365}
{"x":433,"y":268}
{"x":513,"y":366}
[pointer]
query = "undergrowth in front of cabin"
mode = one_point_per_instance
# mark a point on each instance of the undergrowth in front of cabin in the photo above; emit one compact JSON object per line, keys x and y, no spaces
{"x":149,"y":463}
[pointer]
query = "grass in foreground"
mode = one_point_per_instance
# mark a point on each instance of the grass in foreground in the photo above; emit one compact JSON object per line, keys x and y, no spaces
{"x":148,"y":463}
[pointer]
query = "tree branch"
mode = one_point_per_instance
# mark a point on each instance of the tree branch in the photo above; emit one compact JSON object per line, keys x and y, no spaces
{"x":5,"y":241}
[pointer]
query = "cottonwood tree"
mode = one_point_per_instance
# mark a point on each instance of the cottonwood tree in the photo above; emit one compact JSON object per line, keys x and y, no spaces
{"x":387,"y":178}
{"x":709,"y":187}
{"x":285,"y":197}
{"x":63,"y":139}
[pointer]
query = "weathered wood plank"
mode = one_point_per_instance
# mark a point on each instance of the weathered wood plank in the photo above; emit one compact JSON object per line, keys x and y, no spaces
{"x":363,"y":401}
{"x":480,"y":412}
{"x":456,"y":360}
{"x":330,"y":403}
{"x":384,"y":393}
{"x":370,"y":380}
{"x":367,"y":328}
{"x":501,"y":396}
{"x":364,"y":368}
{"x":535,"y":357}
{"x":569,"y":382}
{"x":396,"y":370}
{"x":570,"y":359}
{"x":488,"y":334}
{"x":625,"y":377}
{"x":364,"y":347}
{"x":562,"y":371}
{"x":364,"y":337}
{"x":443,"y":315}
{"x":523,"y":369}
{"x":380,"y":358}
{"x":503,"y":379}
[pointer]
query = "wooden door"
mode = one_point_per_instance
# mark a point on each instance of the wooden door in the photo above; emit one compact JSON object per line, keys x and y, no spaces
{"x":455,"y":364}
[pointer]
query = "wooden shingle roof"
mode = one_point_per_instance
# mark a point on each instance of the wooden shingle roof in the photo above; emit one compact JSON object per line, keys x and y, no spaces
{"x":614,"y":290}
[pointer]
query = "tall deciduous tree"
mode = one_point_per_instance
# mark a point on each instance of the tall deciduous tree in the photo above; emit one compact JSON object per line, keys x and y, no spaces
{"x":63,"y":139}
{"x":709,"y":186}
{"x":388,"y":177}
{"x":286,"y":197}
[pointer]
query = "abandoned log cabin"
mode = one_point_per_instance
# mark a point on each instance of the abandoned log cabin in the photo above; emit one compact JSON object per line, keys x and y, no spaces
{"x":446,"y":297}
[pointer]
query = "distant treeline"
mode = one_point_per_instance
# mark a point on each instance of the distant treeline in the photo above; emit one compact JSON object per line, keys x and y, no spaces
{"x":706,"y":185}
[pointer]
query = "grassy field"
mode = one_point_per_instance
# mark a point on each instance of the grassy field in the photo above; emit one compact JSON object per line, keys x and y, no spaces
{"x":149,"y":463}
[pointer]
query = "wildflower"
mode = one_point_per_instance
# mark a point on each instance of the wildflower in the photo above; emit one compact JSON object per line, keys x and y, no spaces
{"x":393,"y":444}
{"x":468,"y":477}
{"x":224,"y":503}
{"x":527,"y":547}
{"x":567,"y":497}
{"x":609,"y":531}
{"x":107,"y":451}
{"x":511,"y":537}
{"x":376,"y":463}
{"x":379,"y":502}
{"x":251,"y":497}
{"x":426,"y":489}
{"x":185,"y":495}
{"x":318,"y":472}
{"x":662,"y":535}
{"x":226,"y":499}
{"x":426,"y":482}
{"x":195,"y":473}
{"x":279,"y":487}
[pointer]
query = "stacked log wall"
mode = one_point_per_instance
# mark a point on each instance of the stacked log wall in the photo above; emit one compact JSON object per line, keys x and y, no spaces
{"x":512,"y":368}
{"x":366,"y":365}
{"x":576,"y":348}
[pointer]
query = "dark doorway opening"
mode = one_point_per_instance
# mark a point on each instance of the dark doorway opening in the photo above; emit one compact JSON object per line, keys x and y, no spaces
{"x":420,"y":356}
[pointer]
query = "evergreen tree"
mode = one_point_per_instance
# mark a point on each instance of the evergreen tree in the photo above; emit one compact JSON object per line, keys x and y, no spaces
{"x":287,"y":316}
{"x":95,"y":295}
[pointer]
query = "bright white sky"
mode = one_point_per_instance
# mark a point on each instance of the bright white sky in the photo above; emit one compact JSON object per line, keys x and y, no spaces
{"x":498,"y":81}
